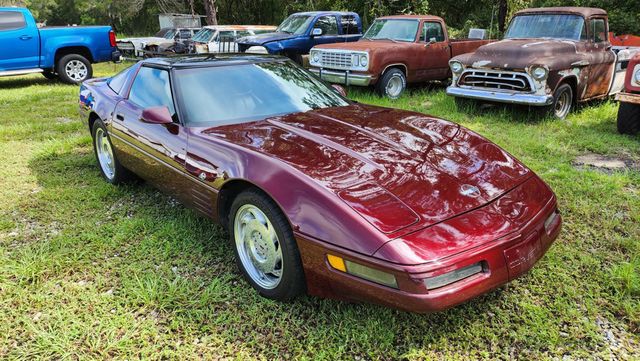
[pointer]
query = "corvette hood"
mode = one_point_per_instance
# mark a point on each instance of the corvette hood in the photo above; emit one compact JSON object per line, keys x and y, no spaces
{"x":521,"y":53}
{"x":261,"y":39}
{"x":397,"y":169}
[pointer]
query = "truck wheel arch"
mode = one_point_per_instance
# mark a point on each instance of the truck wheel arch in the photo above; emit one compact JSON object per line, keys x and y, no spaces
{"x":402,"y":67}
{"x":80,"y":50}
{"x":573,"y":83}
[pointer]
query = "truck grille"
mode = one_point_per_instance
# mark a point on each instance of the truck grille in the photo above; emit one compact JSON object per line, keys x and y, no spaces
{"x":335,"y":60}
{"x":495,"y":80}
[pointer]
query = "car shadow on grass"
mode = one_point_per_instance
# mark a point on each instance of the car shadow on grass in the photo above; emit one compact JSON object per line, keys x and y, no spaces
{"x":26,"y":82}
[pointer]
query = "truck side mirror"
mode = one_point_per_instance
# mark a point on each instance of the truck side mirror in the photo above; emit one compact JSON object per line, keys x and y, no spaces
{"x":316,"y":32}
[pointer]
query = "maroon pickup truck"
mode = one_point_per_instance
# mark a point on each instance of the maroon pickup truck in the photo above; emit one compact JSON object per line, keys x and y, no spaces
{"x":629,"y":112}
{"x":396,"y":50}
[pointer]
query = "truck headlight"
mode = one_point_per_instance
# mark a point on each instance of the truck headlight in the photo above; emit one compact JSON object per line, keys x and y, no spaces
{"x":539,"y":73}
{"x":456,"y":67}
{"x":361,"y":271}
{"x":315,"y":57}
{"x":364,"y":60}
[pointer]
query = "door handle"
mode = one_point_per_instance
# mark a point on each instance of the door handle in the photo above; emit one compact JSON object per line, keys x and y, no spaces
{"x":26,"y":37}
{"x":120,"y":117}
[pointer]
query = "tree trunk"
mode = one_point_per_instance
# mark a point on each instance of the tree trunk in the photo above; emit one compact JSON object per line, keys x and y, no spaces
{"x":211,"y":12}
{"x":502,"y":14}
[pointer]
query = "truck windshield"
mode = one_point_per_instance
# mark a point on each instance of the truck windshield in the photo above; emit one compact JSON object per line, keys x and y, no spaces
{"x":204,"y":35}
{"x":392,"y":29}
{"x":170,"y":34}
{"x":554,"y":26}
{"x":295,"y":24}
{"x":232,"y":94}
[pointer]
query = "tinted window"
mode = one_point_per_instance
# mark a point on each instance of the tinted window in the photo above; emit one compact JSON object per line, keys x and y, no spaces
{"x":151,"y":88}
{"x":432,"y":32}
{"x":349,"y":24}
{"x":11,"y":20}
{"x":117,"y":82}
{"x":328,"y":24}
{"x":599,"y":30}
{"x":232,"y":94}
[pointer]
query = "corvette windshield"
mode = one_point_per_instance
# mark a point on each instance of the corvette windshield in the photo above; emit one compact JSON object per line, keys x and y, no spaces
{"x":233,"y":94}
{"x":555,"y":26}
{"x":295,"y":24}
{"x":390,"y":29}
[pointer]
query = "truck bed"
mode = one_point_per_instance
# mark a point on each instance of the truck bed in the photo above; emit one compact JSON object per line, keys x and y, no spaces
{"x":463,"y":46}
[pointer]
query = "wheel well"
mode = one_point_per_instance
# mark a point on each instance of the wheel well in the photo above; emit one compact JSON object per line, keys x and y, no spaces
{"x":227,"y":194}
{"x":80,"y":50}
{"x":573,"y":83}
{"x":92,"y":119}
{"x":401,"y":67}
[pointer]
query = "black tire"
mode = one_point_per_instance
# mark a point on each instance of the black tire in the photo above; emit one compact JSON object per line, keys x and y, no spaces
{"x":559,"y":109}
{"x":292,"y":281}
{"x":467,"y":104}
{"x":629,"y":118}
{"x":120,"y":174}
{"x":392,"y":84}
{"x":74,"y":69}
{"x":50,"y":75}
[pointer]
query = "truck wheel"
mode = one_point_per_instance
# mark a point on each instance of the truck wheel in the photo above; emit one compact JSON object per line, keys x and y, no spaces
{"x":629,"y":118}
{"x":74,"y":69}
{"x":562,"y":102}
{"x":392,"y":84}
{"x":50,"y":75}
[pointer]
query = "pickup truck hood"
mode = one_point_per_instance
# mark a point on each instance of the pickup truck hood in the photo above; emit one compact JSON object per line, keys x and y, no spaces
{"x":423,"y":167}
{"x":363,"y":45}
{"x":262,"y":39}
{"x":519,"y":54}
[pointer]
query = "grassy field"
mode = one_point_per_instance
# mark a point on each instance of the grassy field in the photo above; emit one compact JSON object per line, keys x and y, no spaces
{"x":90,"y":270}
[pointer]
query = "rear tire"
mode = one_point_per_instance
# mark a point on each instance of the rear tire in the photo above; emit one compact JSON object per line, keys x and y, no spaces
{"x":392,"y":84}
{"x":74,"y":69}
{"x":629,"y":118}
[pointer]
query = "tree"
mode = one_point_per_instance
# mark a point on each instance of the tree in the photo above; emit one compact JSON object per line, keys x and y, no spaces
{"x":211,"y":12}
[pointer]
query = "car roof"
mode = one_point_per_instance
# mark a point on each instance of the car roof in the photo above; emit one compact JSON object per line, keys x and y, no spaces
{"x":314,"y":13}
{"x":585,"y":12}
{"x":418,"y":17}
{"x":209,"y":60}
{"x":238,"y":27}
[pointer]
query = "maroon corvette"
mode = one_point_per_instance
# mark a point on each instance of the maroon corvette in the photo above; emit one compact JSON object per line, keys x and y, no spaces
{"x":319,"y":193}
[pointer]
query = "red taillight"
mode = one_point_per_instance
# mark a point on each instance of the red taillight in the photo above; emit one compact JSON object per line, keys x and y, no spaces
{"x":112,"y":38}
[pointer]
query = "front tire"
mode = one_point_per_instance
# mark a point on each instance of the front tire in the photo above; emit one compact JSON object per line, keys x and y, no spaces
{"x":562,"y":103}
{"x":74,"y":69}
{"x":266,"y":250}
{"x":111,"y":169}
{"x":629,"y":118}
{"x":392,"y":84}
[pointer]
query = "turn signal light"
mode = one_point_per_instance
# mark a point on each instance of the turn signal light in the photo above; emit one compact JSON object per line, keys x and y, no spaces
{"x":364,"y":272}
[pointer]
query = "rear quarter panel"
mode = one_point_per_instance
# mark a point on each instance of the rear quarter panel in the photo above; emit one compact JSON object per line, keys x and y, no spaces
{"x":94,"y":38}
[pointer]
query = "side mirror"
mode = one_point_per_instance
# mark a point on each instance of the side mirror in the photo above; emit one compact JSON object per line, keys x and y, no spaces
{"x":430,"y":42}
{"x":340,"y":89}
{"x":316,"y":32}
{"x":156,"y":115}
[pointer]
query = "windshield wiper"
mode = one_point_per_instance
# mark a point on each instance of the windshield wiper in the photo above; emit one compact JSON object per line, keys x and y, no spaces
{"x":394,"y":40}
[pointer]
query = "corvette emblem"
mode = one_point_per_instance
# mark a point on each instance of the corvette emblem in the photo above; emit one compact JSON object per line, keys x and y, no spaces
{"x":470,"y":191}
{"x":203,"y":176}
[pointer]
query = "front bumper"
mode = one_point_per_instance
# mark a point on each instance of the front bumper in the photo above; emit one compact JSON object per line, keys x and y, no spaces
{"x":343,"y":77}
{"x":628,"y":98}
{"x":502,"y":260}
{"x":500,"y":96}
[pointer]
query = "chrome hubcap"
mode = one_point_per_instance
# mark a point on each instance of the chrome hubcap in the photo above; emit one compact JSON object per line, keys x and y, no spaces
{"x":76,"y":70}
{"x":563,"y":105}
{"x":395,"y":86}
{"x":105,"y":154}
{"x":258,"y":246}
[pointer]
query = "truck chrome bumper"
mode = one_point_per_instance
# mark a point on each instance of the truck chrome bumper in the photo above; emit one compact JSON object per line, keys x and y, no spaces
{"x":342,"y":77}
{"x":628,"y":98}
{"x":501,"y":96}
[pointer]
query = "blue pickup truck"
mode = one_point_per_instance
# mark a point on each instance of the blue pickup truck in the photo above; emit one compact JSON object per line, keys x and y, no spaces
{"x":302,"y":31}
{"x":64,"y":52}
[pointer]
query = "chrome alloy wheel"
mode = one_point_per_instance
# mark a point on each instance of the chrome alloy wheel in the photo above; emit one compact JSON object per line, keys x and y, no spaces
{"x":258,"y":246}
{"x":563,"y":105}
{"x":105,"y":154}
{"x":394,"y":86}
{"x":76,"y":70}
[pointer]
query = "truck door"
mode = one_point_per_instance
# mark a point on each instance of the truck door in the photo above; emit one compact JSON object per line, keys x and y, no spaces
{"x":434,"y":59}
{"x":19,"y":40}
{"x":329,"y":26}
{"x":600,"y":57}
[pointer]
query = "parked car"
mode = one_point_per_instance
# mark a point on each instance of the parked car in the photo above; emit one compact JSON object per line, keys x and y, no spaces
{"x":222,"y":38}
{"x":165,"y":40}
{"x":302,"y":31}
{"x":629,"y":111}
{"x":64,"y":52}
{"x":550,"y":58}
{"x":394,"y":51}
{"x":319,"y":193}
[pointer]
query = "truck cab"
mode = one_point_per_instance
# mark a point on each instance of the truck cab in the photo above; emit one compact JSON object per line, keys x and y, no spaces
{"x":550,"y":59}
{"x":629,"y":111}
{"x":297,"y":34}
{"x":64,"y":52}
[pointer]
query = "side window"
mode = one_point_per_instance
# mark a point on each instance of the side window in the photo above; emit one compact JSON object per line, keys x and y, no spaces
{"x":432,"y":32}
{"x":185,"y":34}
{"x":151,"y":88}
{"x":11,"y":20}
{"x":349,"y":25}
{"x":117,"y":82}
{"x":599,"y":30}
{"x":328,"y":24}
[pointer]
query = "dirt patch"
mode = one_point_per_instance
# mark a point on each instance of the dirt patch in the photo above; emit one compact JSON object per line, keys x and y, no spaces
{"x":607,"y":163}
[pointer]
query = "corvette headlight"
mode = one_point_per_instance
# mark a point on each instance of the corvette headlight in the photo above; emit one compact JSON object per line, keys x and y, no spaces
{"x":315,"y":57}
{"x":364,"y":61}
{"x":257,"y":50}
{"x":360,"y":271}
{"x":456,"y":67}
{"x":539,"y":73}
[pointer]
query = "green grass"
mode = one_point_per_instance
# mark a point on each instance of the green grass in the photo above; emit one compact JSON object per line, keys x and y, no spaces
{"x":90,"y":270}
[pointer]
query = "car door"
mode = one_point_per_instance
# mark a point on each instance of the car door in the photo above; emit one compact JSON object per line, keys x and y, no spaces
{"x":433,"y":62}
{"x":600,"y":57}
{"x":156,"y":152}
{"x":329,"y":26}
{"x":21,"y":38}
